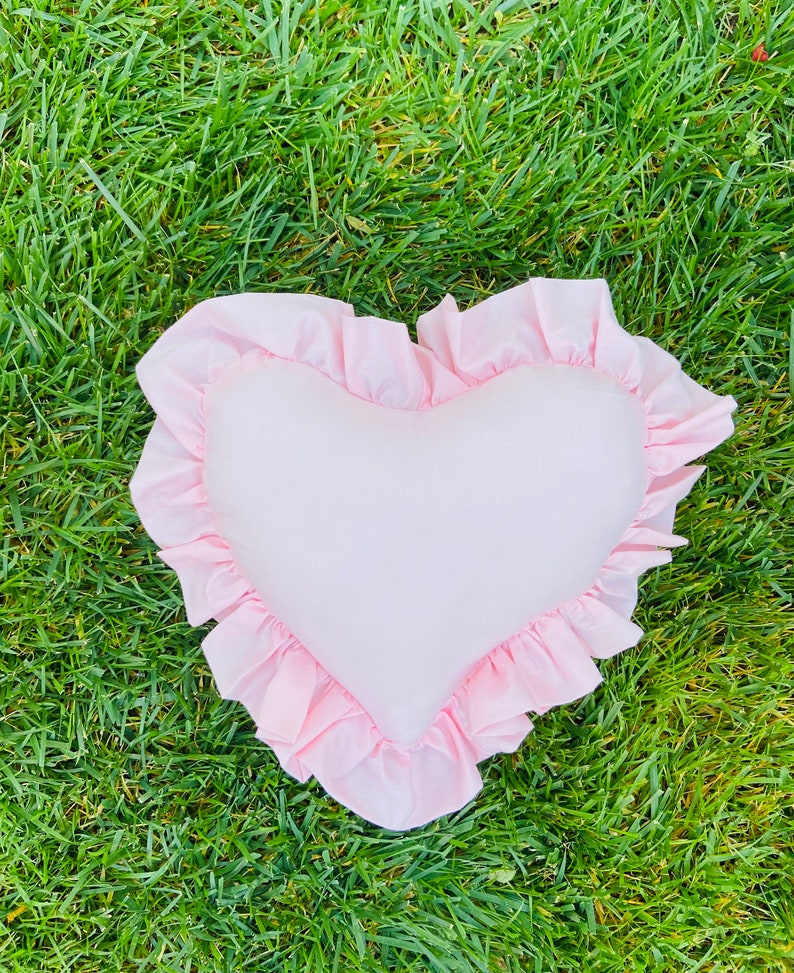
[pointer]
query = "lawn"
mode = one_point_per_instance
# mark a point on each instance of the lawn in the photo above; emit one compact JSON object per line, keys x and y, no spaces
{"x":156,"y":154}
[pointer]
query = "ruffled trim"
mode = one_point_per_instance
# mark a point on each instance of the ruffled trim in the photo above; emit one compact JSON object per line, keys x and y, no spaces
{"x":312,"y":723}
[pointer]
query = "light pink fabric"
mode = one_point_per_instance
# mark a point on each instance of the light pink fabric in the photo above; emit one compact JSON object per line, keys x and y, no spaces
{"x":243,"y":352}
{"x":398,"y":546}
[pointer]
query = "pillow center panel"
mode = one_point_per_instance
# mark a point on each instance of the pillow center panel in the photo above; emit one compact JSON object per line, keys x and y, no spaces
{"x":399,"y":546}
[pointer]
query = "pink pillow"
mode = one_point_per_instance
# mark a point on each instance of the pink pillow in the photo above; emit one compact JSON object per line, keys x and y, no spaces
{"x":409,"y":546}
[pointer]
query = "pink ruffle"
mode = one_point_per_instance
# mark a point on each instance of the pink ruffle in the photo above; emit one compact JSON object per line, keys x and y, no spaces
{"x":312,"y":723}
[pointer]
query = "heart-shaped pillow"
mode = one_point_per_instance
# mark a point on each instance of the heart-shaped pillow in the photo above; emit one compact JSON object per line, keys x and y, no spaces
{"x":409,"y":546}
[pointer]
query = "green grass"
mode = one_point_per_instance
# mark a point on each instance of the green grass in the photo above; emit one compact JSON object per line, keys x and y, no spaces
{"x":157,"y":154}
